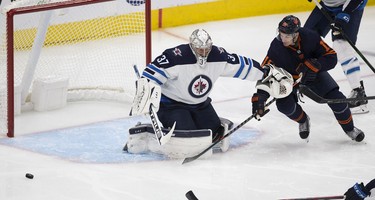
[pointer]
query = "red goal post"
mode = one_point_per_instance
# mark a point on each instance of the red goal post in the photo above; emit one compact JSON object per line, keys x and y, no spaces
{"x":92,"y":43}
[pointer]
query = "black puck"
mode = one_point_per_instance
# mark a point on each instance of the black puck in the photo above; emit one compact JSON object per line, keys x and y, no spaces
{"x":191,"y":196}
{"x":29,"y":176}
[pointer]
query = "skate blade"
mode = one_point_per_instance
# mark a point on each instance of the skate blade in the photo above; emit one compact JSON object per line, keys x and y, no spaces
{"x":362,"y":109}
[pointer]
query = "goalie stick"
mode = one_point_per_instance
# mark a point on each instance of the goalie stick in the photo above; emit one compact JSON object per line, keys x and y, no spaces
{"x":315,"y":97}
{"x":162,"y":137}
{"x":329,"y":18}
{"x":190,"y":159}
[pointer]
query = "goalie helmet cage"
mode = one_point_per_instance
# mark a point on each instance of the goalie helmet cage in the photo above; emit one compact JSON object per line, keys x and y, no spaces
{"x":73,"y":39}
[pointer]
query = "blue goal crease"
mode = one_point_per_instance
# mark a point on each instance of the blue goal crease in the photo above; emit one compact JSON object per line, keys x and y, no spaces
{"x":99,"y":142}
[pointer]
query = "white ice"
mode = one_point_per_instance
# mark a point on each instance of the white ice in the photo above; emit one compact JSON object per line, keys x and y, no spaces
{"x":278,"y":164}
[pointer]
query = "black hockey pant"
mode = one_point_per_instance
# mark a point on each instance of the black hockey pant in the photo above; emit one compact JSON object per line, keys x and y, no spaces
{"x":189,"y":117}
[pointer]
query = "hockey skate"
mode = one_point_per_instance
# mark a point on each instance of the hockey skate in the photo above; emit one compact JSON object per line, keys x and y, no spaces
{"x":125,"y":148}
{"x":223,"y":145}
{"x":356,"y":134}
{"x":304,"y":129}
{"x":358,"y":107}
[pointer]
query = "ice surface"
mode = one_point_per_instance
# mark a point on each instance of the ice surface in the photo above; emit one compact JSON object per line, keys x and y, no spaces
{"x":275,"y":164}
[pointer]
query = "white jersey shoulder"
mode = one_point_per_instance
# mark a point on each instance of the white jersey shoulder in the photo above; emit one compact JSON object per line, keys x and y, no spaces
{"x":335,"y":3}
{"x":183,"y":80}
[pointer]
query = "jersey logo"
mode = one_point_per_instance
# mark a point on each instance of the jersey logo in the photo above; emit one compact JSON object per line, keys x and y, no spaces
{"x":177,"y":52}
{"x":200,"y":86}
{"x":221,"y":50}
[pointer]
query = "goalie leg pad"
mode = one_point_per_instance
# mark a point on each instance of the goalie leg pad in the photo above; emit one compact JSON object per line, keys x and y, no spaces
{"x":138,"y":139}
{"x":183,"y":143}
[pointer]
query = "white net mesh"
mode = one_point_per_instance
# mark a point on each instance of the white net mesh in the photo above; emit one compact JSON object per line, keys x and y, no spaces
{"x":94,"y":46}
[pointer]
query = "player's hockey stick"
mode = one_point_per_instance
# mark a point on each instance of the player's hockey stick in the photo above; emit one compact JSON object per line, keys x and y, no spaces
{"x":191,"y":196}
{"x":315,"y":97}
{"x":369,"y":186}
{"x":318,"y":198}
{"x":190,"y":159}
{"x":162,"y":137}
{"x":329,"y":18}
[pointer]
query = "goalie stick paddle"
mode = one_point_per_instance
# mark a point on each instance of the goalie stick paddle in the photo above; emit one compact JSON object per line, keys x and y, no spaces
{"x":156,"y":125}
{"x":162,"y":137}
{"x":190,"y":195}
{"x":190,"y":159}
{"x":315,"y":97}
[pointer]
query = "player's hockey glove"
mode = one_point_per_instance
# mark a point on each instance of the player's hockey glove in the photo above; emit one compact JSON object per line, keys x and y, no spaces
{"x":266,"y":70}
{"x":357,"y":192}
{"x":258,"y":100}
{"x":309,"y":69}
{"x":340,"y":23}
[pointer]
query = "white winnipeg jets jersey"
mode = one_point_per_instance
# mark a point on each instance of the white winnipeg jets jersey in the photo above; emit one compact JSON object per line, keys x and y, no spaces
{"x":335,"y":3}
{"x":183,"y":80}
{"x":344,"y":5}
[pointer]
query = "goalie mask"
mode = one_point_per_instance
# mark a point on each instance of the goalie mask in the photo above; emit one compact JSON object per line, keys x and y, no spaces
{"x":278,"y":83}
{"x":201,"y":44}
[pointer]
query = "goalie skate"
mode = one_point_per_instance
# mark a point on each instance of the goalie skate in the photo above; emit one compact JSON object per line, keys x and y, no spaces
{"x":141,"y":139}
{"x":223,"y":145}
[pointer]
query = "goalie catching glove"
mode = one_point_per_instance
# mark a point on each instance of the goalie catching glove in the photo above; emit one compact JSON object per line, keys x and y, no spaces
{"x":147,"y":94}
{"x":278,"y":83}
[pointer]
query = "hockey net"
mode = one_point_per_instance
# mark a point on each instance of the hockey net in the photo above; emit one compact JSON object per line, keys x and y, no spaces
{"x":92,"y":43}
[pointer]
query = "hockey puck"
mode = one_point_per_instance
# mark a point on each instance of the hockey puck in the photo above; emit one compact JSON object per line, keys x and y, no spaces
{"x":29,"y":176}
{"x":191,"y":196}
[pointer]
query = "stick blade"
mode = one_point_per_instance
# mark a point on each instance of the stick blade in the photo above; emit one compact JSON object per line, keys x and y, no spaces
{"x":189,"y":159}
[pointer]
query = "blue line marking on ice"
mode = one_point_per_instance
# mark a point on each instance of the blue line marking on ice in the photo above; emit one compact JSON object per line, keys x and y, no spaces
{"x":100,"y":142}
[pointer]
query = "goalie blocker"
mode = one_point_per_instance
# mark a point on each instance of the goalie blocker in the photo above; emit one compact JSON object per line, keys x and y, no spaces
{"x":182,"y":144}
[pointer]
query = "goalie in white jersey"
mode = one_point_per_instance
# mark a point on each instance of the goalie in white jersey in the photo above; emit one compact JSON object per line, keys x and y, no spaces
{"x":186,"y":75}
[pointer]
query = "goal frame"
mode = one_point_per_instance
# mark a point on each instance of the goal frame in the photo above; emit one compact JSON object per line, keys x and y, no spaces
{"x":38,"y":8}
